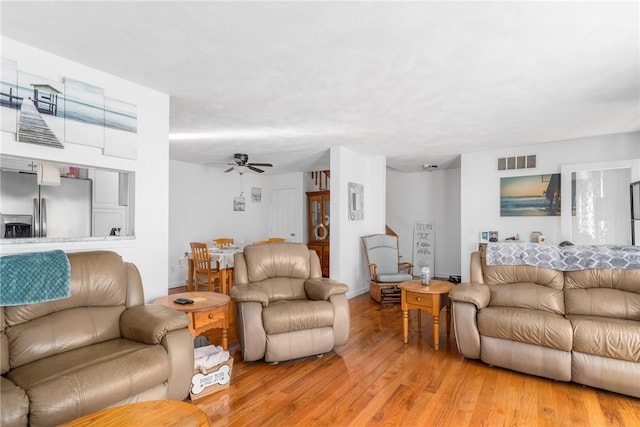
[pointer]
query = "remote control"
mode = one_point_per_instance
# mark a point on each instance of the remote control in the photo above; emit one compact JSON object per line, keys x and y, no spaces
{"x":183,"y":301}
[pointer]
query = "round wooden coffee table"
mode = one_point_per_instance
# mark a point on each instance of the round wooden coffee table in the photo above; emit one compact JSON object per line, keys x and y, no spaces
{"x":151,"y":413}
{"x":209,"y":310}
{"x":430,"y":298}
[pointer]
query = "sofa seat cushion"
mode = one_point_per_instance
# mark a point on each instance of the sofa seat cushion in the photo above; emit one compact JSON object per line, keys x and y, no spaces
{"x":527,"y":326}
{"x":606,"y":337}
{"x":394,"y":277}
{"x":91,"y":378}
{"x":288,"y":316}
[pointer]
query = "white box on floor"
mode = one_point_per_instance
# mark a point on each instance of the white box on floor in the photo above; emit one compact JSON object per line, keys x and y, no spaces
{"x":216,"y":379}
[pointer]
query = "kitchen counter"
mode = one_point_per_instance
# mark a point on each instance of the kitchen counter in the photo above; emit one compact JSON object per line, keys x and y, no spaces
{"x":64,"y":239}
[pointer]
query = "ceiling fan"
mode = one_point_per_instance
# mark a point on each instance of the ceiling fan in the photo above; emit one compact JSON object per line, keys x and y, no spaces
{"x":241,"y":164}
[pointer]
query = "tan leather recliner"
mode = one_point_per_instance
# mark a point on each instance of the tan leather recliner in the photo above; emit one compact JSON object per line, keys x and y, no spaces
{"x":284,"y":308}
{"x":100,"y":347}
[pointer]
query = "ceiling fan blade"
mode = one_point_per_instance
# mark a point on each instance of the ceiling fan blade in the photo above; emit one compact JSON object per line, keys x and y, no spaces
{"x":229,"y":170}
{"x":268,"y":165}
{"x":254,"y":169}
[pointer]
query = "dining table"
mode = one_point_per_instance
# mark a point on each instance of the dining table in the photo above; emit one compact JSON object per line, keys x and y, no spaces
{"x":224,"y":259}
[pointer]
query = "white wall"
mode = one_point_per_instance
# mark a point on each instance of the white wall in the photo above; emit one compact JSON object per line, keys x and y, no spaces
{"x":480,"y":185}
{"x":433,"y":196}
{"x":201,"y":209}
{"x":347,"y":260}
{"x":149,"y":249}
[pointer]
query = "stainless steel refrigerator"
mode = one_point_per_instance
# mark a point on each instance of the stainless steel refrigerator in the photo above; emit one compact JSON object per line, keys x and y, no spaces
{"x":57,"y":211}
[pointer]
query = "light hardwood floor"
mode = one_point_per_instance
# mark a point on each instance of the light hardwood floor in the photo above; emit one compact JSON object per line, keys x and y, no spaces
{"x":377,"y":380}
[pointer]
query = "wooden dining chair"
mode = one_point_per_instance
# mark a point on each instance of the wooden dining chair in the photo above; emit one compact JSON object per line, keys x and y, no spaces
{"x":205,"y":273}
{"x":270,"y":240}
{"x":222,"y":242}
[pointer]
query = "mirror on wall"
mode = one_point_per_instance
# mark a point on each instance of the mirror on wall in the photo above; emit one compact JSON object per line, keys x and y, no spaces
{"x":597,"y":208}
{"x":44,"y":200}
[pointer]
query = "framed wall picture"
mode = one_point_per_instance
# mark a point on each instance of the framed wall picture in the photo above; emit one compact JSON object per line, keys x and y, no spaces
{"x":533,"y":195}
{"x":356,"y":201}
{"x":238,"y":204}
{"x":256,"y":194}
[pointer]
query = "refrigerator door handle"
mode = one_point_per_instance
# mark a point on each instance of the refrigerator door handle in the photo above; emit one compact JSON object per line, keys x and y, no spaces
{"x":43,"y":218}
{"x":36,"y":218}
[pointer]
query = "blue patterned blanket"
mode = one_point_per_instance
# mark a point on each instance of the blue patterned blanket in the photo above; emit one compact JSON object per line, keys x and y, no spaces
{"x":34,"y":277}
{"x":567,"y":258}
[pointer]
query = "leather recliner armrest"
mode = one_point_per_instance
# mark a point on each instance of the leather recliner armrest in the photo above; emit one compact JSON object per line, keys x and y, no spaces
{"x":475,"y":293}
{"x":322,"y":289}
{"x":248,"y":293}
{"x":15,"y":404}
{"x":149,"y":323}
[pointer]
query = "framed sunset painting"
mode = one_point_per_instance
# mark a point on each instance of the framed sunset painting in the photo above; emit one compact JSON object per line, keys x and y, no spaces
{"x":533,"y":195}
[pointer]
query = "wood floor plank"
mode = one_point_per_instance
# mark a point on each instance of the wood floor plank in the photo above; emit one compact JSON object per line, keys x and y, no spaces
{"x":375,"y":379}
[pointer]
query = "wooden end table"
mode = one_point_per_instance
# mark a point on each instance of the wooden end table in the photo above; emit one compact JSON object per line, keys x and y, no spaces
{"x":209,"y":310}
{"x":431,"y":298}
{"x":151,"y":413}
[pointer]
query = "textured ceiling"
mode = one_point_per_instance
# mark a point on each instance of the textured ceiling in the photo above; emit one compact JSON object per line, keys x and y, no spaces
{"x":418,"y":82}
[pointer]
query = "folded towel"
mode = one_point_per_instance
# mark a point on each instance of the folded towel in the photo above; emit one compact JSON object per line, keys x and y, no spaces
{"x":34,"y":277}
{"x":209,"y":356}
{"x":48,"y":174}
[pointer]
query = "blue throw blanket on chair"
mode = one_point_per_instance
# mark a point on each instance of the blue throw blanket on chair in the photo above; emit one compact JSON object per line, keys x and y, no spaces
{"x":34,"y":277}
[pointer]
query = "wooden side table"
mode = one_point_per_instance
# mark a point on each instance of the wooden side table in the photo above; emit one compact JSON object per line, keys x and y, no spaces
{"x":151,"y":413}
{"x":431,"y":298}
{"x":209,"y":310}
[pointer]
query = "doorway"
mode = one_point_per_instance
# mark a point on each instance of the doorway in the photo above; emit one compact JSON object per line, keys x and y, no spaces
{"x":283,"y":217}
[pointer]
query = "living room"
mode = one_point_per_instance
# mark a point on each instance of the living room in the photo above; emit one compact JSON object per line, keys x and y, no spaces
{"x":178,"y":201}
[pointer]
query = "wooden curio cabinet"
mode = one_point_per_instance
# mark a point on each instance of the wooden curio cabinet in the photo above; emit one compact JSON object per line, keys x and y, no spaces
{"x":319,"y":235}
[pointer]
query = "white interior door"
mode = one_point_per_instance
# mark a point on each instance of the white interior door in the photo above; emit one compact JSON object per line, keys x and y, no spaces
{"x":596,"y":207}
{"x":283,"y":221}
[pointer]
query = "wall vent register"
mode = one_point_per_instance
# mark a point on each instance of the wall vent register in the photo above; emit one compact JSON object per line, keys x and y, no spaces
{"x":517,"y":162}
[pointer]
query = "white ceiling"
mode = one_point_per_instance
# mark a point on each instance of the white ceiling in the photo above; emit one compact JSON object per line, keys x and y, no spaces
{"x":418,"y":82}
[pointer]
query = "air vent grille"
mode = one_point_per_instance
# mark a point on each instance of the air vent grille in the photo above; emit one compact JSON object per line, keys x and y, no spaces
{"x":517,"y":162}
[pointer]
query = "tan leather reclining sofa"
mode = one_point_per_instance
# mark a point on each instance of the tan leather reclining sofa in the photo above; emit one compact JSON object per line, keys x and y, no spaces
{"x":581,"y":326}
{"x":101,"y":347}
{"x":285,"y":308}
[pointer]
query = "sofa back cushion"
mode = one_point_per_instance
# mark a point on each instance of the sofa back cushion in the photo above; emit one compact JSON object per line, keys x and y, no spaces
{"x":90,"y":315}
{"x":280,"y":269}
{"x":527,"y":295}
{"x":525,"y":287}
{"x":603,"y":292}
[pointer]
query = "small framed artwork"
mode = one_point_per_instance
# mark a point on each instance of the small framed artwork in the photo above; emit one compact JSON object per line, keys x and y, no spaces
{"x":484,"y":237}
{"x":256,"y":194}
{"x":493,"y":236}
{"x":238,"y":204}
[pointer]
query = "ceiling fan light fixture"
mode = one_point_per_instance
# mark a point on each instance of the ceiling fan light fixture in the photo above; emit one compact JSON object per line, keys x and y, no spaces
{"x":241,"y":169}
